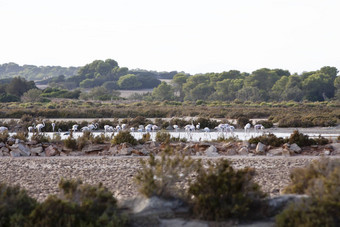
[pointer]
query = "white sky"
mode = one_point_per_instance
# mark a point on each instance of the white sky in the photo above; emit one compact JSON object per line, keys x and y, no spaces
{"x":194,"y":36}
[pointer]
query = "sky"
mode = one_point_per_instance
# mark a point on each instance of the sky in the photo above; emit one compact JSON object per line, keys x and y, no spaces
{"x":193,"y":36}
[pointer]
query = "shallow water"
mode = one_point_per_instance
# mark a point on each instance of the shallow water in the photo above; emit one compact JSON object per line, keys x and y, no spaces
{"x":199,"y":135}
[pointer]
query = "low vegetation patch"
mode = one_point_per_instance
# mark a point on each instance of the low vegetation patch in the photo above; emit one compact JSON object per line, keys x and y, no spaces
{"x":268,"y":139}
{"x":321,"y":181}
{"x":124,"y":137}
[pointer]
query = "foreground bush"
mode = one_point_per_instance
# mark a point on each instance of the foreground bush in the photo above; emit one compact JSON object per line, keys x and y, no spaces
{"x":220,"y":192}
{"x":162,"y":176}
{"x":15,"y":205}
{"x":79,"y":205}
{"x":321,"y":181}
{"x":124,"y":137}
{"x":163,"y":137}
{"x":268,"y":139}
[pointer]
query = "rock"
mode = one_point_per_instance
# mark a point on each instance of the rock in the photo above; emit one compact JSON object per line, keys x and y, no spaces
{"x":211,"y":151}
{"x":326,"y":152}
{"x":94,"y":148}
{"x":15,"y":153}
{"x":276,"y":204}
{"x":36,"y":150}
{"x":51,"y":151}
{"x":294,"y":147}
{"x":286,"y":146}
{"x":2,"y":144}
{"x":260,"y":148}
{"x":275,"y":151}
{"x":243,"y":151}
{"x":4,"y":150}
{"x":335,"y":147}
{"x":231,"y":152}
{"x":21,"y":148}
{"x":17,"y":141}
{"x":286,"y":153}
{"x":125,"y":151}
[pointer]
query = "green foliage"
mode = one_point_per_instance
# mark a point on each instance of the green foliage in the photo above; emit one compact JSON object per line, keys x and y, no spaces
{"x":124,"y":137}
{"x":145,"y":137}
{"x":321,"y":181}
{"x":32,"y":95}
{"x":40,"y":137}
{"x":162,"y":176}
{"x":266,"y":124}
{"x":268,"y":139}
{"x":220,"y":192}
{"x":15,"y":205}
{"x":129,"y":81}
{"x":303,"y":179}
{"x":300,"y":139}
{"x":163,"y":137}
{"x":163,"y":92}
{"x":21,"y":136}
{"x":4,"y":136}
{"x":70,"y":143}
{"x":78,"y":205}
{"x":242,"y":121}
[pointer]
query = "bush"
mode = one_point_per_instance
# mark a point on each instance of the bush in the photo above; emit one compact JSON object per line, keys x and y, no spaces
{"x":161,"y":177}
{"x":40,"y":137}
{"x":70,"y":143}
{"x":303,"y":178}
{"x":85,"y":139}
{"x":4,"y":136}
{"x":300,"y":139}
{"x":321,"y":181}
{"x":145,"y":137}
{"x":78,"y":205}
{"x":268,"y":139}
{"x":163,"y":137}
{"x":21,"y":136}
{"x":266,"y":124}
{"x":124,"y":137}
{"x":242,"y":121}
{"x":220,"y":192}
{"x":15,"y":205}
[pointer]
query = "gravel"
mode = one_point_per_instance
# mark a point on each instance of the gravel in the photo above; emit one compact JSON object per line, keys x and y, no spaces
{"x":40,"y":175}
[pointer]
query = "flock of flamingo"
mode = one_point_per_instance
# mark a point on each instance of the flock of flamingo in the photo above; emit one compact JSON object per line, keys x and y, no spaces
{"x":223,"y":128}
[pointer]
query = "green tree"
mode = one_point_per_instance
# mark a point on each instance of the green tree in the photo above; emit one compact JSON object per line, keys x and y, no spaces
{"x":249,"y":94}
{"x":129,"y":81}
{"x":318,"y":87}
{"x":32,"y":95}
{"x":163,"y":92}
{"x":279,"y":87}
{"x":18,"y":86}
{"x":178,"y":81}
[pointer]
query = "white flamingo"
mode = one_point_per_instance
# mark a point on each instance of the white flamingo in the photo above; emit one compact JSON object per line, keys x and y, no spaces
{"x":85,"y":129}
{"x":198,"y":126}
{"x":106,"y":128}
{"x":176,"y":128}
{"x":124,"y":126}
{"x":31,"y":128}
{"x":3,"y":128}
{"x":92,"y":126}
{"x":154,"y":127}
{"x":75,"y":128}
{"x":40,"y":126}
{"x":148,"y":128}
{"x":132,"y":129}
{"x":247,"y":128}
{"x":53,"y":126}
{"x":140,"y":128}
{"x":118,"y":128}
{"x":258,"y":127}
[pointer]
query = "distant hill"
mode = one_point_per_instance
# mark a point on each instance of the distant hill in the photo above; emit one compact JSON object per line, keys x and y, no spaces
{"x":32,"y":72}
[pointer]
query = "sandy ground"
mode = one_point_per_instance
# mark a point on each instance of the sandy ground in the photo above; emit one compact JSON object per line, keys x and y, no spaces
{"x":40,"y":176}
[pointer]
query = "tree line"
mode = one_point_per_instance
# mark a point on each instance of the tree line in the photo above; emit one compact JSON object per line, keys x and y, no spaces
{"x":261,"y":85}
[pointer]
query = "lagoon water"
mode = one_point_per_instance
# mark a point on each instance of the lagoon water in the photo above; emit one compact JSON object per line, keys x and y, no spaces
{"x":200,"y":135}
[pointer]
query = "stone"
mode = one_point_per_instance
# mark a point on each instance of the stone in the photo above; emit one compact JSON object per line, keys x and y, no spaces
{"x":15,"y":153}
{"x":231,"y":152}
{"x":4,"y":150}
{"x":260,"y":148}
{"x":326,"y":152}
{"x":211,"y":151}
{"x":94,"y":148}
{"x":2,"y":144}
{"x":51,"y":151}
{"x":36,"y":150}
{"x":275,"y":152}
{"x":335,"y":147}
{"x":286,"y":153}
{"x":286,"y":146}
{"x":277,"y":204}
{"x":125,"y":151}
{"x":23,"y":149}
{"x":243,"y":151}
{"x":294,"y":147}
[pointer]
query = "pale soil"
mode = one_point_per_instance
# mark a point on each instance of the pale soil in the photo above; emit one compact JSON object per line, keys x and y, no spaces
{"x":40,"y":176}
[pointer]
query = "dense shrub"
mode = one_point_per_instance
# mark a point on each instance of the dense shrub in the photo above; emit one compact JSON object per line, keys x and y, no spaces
{"x":266,"y":124}
{"x":268,"y":139}
{"x":163,"y":137}
{"x":220,"y":192}
{"x":242,"y":121}
{"x":300,"y":139}
{"x":40,"y":137}
{"x":84,"y":140}
{"x":15,"y":205}
{"x":162,"y":176}
{"x":79,"y":205}
{"x":4,"y":136}
{"x":124,"y":137}
{"x":206,"y":122}
{"x":321,"y":181}
{"x":145,"y":137}
{"x":70,"y":143}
